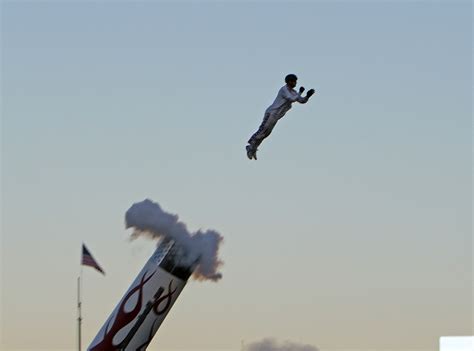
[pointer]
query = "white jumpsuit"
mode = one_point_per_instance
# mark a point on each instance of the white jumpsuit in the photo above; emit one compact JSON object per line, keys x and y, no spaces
{"x":282,"y":104}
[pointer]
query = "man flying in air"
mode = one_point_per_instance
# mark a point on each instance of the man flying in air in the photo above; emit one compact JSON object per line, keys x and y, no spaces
{"x":282,"y":104}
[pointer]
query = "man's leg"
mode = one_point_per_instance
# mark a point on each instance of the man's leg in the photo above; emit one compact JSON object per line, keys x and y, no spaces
{"x":263,"y":131}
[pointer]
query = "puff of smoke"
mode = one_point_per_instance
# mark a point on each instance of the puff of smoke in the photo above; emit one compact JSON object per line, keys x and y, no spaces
{"x":271,"y":345}
{"x":148,"y":219}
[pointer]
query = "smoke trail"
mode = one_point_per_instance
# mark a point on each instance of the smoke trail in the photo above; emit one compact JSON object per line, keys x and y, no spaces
{"x":202,"y":247}
{"x":271,"y":345}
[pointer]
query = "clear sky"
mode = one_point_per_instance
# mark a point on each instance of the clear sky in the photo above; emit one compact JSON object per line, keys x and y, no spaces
{"x":351,"y":231}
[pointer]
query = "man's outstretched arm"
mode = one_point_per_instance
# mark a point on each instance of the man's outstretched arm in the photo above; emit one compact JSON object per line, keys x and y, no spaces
{"x":293,"y":97}
{"x":305,"y":99}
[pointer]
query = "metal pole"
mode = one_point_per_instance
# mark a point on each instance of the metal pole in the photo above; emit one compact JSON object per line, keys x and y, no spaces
{"x":79,"y":318}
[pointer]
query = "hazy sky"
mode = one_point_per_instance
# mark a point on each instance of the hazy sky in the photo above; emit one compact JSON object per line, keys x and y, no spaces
{"x":351,"y":231}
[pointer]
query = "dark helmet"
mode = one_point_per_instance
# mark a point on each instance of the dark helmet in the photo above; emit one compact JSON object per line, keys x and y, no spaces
{"x":291,"y":78}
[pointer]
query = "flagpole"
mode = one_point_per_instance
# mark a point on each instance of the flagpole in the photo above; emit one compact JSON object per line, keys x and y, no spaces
{"x":86,"y":260}
{"x":79,"y":315}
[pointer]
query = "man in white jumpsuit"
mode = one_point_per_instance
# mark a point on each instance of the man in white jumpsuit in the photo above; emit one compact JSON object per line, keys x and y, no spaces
{"x":282,"y":104}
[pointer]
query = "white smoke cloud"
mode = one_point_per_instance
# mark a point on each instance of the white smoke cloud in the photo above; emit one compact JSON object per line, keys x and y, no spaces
{"x":271,"y":345}
{"x":148,"y":219}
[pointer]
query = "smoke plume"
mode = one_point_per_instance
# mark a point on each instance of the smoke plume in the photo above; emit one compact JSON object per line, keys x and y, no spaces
{"x":272,"y":345}
{"x":201,"y":247}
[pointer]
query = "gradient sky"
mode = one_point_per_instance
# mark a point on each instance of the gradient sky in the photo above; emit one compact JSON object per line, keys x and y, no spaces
{"x":351,"y":231}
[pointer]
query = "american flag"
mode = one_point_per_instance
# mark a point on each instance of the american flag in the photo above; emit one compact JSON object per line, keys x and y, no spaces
{"x":88,"y":260}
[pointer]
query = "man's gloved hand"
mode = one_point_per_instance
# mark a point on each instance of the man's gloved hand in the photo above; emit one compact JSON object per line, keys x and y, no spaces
{"x":310,"y":92}
{"x":301,"y":90}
